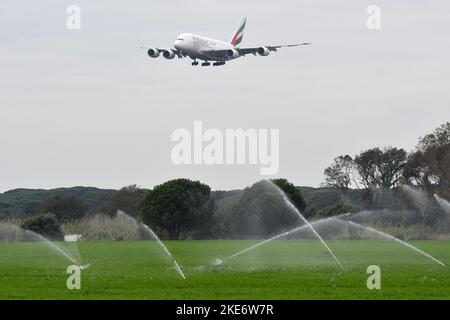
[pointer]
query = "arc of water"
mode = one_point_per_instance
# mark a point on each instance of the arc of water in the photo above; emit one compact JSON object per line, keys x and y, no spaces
{"x":445,"y":205}
{"x":54,"y":246}
{"x":419,"y":198}
{"x":175,"y":263}
{"x":397,"y":240}
{"x":155,"y":236}
{"x":294,"y":208}
{"x":337,"y":218}
{"x":284,"y":234}
{"x":44,"y":240}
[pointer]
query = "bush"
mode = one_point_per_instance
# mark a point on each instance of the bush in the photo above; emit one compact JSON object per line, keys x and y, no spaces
{"x":262,"y":211}
{"x":105,"y":228}
{"x":126,"y":199}
{"x":65,"y":208}
{"x":45,"y":224}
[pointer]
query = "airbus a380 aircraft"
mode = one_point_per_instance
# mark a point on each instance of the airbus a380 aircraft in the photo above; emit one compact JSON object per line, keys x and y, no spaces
{"x":207,"y":49}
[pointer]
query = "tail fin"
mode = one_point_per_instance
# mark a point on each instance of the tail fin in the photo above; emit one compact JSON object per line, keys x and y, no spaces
{"x":239,"y":34}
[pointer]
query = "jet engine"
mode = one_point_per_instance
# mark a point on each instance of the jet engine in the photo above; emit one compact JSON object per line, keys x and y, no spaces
{"x":154,"y":53}
{"x":168,"y":54}
{"x":232,"y":54}
{"x":263,"y":51}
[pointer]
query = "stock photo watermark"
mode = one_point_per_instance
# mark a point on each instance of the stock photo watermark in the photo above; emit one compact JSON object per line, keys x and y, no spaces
{"x":232,"y":147}
{"x":374,"y":280}
{"x":73,"y":21}
{"x":374,"y":17}
{"x":74,"y":279}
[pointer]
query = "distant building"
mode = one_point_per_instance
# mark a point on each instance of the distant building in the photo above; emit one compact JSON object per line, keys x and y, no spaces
{"x":72,"y":237}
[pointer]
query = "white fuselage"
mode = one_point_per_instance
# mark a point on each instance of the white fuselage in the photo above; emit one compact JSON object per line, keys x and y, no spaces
{"x":203,"y":48}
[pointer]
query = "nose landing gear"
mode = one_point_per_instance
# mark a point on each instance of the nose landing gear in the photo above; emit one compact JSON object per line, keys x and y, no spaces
{"x":195,"y":63}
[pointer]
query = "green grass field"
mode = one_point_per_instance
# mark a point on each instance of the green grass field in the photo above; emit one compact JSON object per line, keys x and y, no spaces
{"x":280,"y":270}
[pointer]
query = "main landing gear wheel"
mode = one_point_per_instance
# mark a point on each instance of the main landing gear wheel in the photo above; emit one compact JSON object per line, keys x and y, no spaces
{"x":195,"y":63}
{"x":218,"y":63}
{"x":206,"y":64}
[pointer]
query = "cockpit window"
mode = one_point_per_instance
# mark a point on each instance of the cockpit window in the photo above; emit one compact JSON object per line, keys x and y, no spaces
{"x":181,"y":39}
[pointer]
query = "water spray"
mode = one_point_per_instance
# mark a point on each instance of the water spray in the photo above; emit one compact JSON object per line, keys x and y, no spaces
{"x":445,"y":205}
{"x":281,"y":235}
{"x":294,"y":208}
{"x":397,"y":240}
{"x":154,"y":235}
{"x":44,"y":240}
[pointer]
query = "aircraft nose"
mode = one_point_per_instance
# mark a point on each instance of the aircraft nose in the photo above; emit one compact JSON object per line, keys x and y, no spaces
{"x":179,"y":42}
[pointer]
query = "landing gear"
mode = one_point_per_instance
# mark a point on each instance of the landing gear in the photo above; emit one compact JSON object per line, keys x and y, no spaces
{"x":207,"y":63}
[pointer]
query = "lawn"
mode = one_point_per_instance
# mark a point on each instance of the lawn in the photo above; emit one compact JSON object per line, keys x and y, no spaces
{"x":284,"y":269}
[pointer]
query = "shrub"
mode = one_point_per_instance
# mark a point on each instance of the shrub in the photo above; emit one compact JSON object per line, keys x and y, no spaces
{"x":45,"y":224}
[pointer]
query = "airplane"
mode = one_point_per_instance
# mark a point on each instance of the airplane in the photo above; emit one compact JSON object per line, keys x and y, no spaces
{"x":207,"y":49}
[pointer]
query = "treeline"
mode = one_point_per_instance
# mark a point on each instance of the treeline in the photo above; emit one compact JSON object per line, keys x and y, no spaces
{"x":181,"y":209}
{"x":186,"y":209}
{"x":371,"y":179}
{"x":23,"y":202}
{"x":428,"y":166}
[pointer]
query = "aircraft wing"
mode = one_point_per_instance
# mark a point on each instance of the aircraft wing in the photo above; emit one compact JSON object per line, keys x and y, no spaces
{"x":244,"y":51}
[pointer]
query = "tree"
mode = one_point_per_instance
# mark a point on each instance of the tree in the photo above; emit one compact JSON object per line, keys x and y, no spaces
{"x":436,"y":165}
{"x":292,"y":192}
{"x":261,"y":211}
{"x":437,"y":138}
{"x":65,"y":208}
{"x":414,"y":171}
{"x":381,"y":168}
{"x":339,"y":174}
{"x":126,"y":199}
{"x":392,"y":167}
{"x":45,"y":224}
{"x":177,"y":206}
{"x":435,"y":148}
{"x":366,"y":164}
{"x":429,"y":165}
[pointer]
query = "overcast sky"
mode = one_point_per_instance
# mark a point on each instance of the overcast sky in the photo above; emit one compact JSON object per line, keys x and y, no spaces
{"x":90,"y":108}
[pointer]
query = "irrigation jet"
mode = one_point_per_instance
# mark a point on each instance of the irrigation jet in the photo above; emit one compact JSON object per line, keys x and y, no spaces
{"x":206,"y":49}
